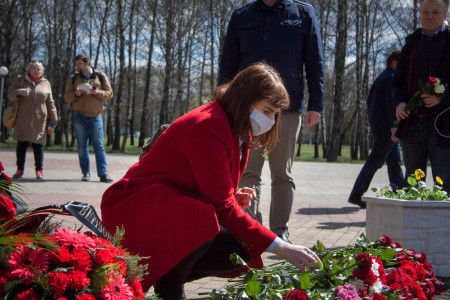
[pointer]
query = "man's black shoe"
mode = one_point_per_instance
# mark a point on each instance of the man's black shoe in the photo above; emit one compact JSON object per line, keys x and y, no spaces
{"x":86,"y":177}
{"x":285,"y":238}
{"x":105,"y":178}
{"x":359,"y":202}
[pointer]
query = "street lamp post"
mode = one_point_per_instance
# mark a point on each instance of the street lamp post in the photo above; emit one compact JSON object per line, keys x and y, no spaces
{"x":3,"y":73}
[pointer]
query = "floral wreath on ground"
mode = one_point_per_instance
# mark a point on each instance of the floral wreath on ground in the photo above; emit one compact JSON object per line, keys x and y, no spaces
{"x":380,"y":270}
{"x":59,"y":263}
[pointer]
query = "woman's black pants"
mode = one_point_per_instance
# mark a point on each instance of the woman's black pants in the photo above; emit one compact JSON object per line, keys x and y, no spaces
{"x":21,"y":151}
{"x":211,"y":259}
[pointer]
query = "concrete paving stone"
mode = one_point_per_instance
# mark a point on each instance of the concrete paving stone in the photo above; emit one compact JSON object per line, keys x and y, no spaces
{"x":320,"y":210}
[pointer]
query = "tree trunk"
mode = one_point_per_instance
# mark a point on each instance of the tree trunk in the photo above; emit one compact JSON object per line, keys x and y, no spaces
{"x":339,"y":74}
{"x":148,"y":75}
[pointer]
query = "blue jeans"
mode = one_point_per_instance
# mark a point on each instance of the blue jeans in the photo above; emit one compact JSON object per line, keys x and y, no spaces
{"x":383,"y":150}
{"x":419,"y":145}
{"x":86,"y":127}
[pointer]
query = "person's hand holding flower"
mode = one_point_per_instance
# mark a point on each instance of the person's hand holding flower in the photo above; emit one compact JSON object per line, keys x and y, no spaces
{"x":429,"y":95}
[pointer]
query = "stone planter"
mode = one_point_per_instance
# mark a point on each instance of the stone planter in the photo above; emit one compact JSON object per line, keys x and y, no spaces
{"x":420,"y":225}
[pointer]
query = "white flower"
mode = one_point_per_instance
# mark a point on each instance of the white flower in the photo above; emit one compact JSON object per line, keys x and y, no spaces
{"x":359,"y":284}
{"x":374,"y":267}
{"x":439,"y":88}
{"x":377,"y":287}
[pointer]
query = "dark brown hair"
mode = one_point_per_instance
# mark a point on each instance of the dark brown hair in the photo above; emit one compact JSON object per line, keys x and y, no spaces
{"x":83,"y":57}
{"x":394,"y":55}
{"x":257,"y":82}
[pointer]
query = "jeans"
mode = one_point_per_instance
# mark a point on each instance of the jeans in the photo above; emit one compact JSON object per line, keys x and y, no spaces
{"x":92,"y":127}
{"x":383,"y":150}
{"x":419,"y":145}
{"x":280,"y":163}
{"x":21,"y":152}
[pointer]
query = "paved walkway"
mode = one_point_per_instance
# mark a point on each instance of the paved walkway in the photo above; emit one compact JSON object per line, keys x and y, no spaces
{"x":320,"y":210}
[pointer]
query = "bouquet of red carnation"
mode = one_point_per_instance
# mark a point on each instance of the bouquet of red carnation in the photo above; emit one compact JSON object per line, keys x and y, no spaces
{"x":68,"y":265}
{"x":432,"y":87}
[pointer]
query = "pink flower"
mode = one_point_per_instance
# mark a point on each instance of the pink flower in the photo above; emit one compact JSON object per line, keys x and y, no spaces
{"x":346,"y":292}
{"x":26,"y":261}
{"x":66,"y":237}
{"x":117,"y":289}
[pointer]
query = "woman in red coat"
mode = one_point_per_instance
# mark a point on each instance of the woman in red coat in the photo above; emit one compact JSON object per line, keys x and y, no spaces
{"x":180,"y":204}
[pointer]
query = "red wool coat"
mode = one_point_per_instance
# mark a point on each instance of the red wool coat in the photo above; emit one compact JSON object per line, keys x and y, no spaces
{"x":172,"y":201}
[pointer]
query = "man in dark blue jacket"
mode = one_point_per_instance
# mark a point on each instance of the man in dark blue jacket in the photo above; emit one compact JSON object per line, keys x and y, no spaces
{"x":381,"y":117}
{"x":426,"y":53}
{"x":286,"y":35}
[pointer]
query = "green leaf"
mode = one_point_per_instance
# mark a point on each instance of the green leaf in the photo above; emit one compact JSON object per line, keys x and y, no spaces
{"x":304,"y":281}
{"x":387,"y":254}
{"x":412,"y":181}
{"x":253,"y":287}
{"x":236,"y":260}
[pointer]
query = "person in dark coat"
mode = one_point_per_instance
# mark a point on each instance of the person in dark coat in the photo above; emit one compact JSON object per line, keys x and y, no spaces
{"x":286,"y":35}
{"x":386,"y":147}
{"x":180,"y":204}
{"x":425,"y":54}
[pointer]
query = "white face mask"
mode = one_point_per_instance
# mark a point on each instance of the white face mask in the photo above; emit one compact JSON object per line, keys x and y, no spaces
{"x":260,"y":122}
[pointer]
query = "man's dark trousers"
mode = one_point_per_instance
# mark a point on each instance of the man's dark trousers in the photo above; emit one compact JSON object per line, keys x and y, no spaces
{"x":383,"y":150}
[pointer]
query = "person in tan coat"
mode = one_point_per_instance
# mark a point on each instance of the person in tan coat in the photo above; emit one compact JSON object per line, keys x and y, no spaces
{"x":88,"y":90}
{"x":35,"y":105}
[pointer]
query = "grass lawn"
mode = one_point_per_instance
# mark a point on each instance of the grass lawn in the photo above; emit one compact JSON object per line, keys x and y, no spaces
{"x":307,"y":151}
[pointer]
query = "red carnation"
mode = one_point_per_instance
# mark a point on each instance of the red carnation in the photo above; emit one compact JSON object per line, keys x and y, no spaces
{"x":61,"y":254}
{"x":296,"y":295}
{"x":401,"y":255}
{"x":85,"y":296}
{"x":376,"y":296}
{"x":420,"y":257}
{"x":7,"y":209}
{"x":408,"y":268}
{"x":385,"y":240}
{"x":428,"y":289}
{"x":136,"y":289}
{"x":81,"y":260}
{"x":432,"y":80}
{"x":396,"y":245}
{"x":438,"y":285}
{"x":78,"y":280}
{"x":429,"y":272}
{"x":58,"y":282}
{"x":29,"y":294}
{"x":1,"y":167}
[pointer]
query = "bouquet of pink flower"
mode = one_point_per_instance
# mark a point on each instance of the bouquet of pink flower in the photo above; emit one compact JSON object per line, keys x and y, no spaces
{"x":432,"y":87}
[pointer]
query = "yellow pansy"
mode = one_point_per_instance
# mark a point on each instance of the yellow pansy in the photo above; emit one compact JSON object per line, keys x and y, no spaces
{"x":439,"y":180}
{"x":419,"y":174}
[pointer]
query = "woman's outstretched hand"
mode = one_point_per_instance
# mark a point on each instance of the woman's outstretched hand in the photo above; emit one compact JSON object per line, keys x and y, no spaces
{"x":301,"y":257}
{"x":244,"y":196}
